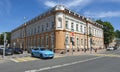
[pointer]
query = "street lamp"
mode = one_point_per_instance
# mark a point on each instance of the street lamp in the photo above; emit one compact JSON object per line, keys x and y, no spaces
{"x":84,"y":39}
{"x":90,"y":35}
{"x":25,"y":34}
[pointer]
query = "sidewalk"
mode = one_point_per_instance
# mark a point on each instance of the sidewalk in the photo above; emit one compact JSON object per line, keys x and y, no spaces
{"x":80,"y":53}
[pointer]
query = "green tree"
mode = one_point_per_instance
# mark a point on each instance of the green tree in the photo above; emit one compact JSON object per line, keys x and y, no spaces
{"x":2,"y":38}
{"x":108,"y":32}
{"x":117,"y":34}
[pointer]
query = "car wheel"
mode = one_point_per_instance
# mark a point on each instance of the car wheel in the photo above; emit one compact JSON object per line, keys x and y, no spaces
{"x":32,"y":54}
{"x":41,"y":56}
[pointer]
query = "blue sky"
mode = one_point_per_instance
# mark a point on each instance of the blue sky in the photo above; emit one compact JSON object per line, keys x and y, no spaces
{"x":12,"y":12}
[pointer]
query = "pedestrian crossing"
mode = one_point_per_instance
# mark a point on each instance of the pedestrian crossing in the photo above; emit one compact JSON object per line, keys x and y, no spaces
{"x":24,"y":59}
{"x":107,"y":55}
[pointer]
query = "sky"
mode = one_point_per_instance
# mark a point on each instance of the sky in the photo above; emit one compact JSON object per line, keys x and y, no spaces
{"x":14,"y":13}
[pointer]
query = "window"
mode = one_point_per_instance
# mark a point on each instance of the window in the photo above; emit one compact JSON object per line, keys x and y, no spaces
{"x":59,"y":23}
{"x":42,"y":41}
{"x":52,"y":25}
{"x":47,"y":26}
{"x":85,"y":42}
{"x":66,"y":25}
{"x":81,"y":28}
{"x":38,"y":29}
{"x":77,"y":41}
{"x":35,"y":30}
{"x":39,"y":42}
{"x":67,"y":40}
{"x":76,"y":27}
{"x":47,"y":40}
{"x":85,"y":30}
{"x":72,"y":28}
{"x":42,"y":28}
{"x":81,"y":41}
{"x":90,"y":31}
{"x":72,"y":41}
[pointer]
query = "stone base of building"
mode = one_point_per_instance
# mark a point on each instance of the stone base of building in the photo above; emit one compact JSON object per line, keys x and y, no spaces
{"x":63,"y":51}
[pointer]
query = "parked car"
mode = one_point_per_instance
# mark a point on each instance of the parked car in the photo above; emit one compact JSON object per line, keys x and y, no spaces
{"x":115,"y":47}
{"x":110,"y":49}
{"x":42,"y":53}
{"x":18,"y":50}
{"x":8,"y":51}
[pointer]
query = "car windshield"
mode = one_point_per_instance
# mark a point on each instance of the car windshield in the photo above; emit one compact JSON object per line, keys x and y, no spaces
{"x":17,"y":48}
{"x":7,"y":49}
{"x":42,"y":49}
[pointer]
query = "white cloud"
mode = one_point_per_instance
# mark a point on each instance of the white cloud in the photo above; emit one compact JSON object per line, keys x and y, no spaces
{"x":102,"y":14}
{"x":68,"y":3}
{"x":50,"y":3}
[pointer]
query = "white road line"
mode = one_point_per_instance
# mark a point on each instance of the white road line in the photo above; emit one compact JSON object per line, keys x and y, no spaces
{"x":62,"y":65}
{"x":14,"y":60}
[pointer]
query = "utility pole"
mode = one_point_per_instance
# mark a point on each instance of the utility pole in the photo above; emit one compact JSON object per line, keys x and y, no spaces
{"x":4,"y":44}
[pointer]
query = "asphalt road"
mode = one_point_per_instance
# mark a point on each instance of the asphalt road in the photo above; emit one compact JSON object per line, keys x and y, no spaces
{"x":85,"y":63}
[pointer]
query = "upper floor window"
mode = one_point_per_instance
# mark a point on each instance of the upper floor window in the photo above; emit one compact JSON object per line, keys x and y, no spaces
{"x":47,"y":26}
{"x":59,"y":23}
{"x":72,"y":27}
{"x":52,"y":25}
{"x":76,"y":27}
{"x":35,"y":30}
{"x":66,"y":25}
{"x":38,"y":29}
{"x":90,"y":30}
{"x":81,"y":28}
{"x":85,"y":30}
{"x":42,"y":28}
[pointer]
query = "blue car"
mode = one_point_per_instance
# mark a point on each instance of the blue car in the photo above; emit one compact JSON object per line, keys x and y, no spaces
{"x":42,"y":53}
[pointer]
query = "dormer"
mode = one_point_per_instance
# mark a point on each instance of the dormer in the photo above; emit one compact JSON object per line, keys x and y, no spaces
{"x":59,"y":7}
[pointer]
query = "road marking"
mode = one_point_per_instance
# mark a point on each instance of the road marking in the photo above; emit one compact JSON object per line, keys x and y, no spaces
{"x":58,"y":56}
{"x":67,"y":64}
{"x":24,"y":59}
{"x":107,"y":55}
{"x":62,"y":65}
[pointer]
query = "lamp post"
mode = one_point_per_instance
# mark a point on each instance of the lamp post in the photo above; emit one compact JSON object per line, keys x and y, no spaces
{"x":90,"y":35}
{"x":84,"y":39}
{"x":25,"y":34}
{"x":4,"y":44}
{"x":72,"y":40}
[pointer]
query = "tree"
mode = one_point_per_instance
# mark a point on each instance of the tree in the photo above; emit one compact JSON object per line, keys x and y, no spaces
{"x":108,"y":32}
{"x":2,"y":38}
{"x":117,"y":34}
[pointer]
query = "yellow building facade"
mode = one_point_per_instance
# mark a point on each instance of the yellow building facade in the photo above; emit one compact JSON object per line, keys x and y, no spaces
{"x":59,"y":29}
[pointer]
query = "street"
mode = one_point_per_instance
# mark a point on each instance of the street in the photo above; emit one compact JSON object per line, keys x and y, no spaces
{"x":105,"y":62}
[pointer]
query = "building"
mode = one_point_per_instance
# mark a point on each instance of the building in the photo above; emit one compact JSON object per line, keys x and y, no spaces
{"x":59,"y":29}
{"x":115,"y":42}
